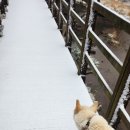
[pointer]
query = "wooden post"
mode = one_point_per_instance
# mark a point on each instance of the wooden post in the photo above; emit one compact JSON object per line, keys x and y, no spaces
{"x":1,"y":28}
{"x":52,"y":7}
{"x":82,"y":62}
{"x":6,"y":3}
{"x":95,"y":18}
{"x":49,"y":4}
{"x":95,"y":14}
{"x":2,"y":7}
{"x":59,"y":16}
{"x":119,"y":88}
{"x":68,"y":24}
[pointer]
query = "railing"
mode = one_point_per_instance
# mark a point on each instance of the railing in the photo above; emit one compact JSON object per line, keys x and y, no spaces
{"x":89,"y":36}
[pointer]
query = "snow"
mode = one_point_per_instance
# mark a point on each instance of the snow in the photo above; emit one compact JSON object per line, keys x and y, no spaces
{"x":38,"y":78}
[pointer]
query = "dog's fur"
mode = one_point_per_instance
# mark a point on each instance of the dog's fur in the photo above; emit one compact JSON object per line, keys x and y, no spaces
{"x":85,"y":114}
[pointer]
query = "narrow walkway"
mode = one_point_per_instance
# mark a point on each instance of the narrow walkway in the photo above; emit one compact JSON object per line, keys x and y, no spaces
{"x":38,"y":80}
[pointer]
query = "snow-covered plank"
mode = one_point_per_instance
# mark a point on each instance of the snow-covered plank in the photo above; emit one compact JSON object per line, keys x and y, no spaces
{"x":38,"y":78}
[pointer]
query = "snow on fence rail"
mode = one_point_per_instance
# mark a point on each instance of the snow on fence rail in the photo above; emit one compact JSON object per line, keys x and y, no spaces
{"x":90,"y":36}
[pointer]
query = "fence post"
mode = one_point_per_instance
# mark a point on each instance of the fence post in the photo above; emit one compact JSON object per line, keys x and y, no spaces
{"x":6,"y":3}
{"x":52,"y":7}
{"x":120,"y":85}
{"x":1,"y":28}
{"x":95,"y":14}
{"x":59,"y":15}
{"x":70,"y":3}
{"x":82,"y":62}
{"x":49,"y":4}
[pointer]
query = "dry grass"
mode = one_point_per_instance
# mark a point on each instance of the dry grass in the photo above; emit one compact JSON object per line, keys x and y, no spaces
{"x":118,"y":6}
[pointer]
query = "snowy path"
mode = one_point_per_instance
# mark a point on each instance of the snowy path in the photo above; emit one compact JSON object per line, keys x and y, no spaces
{"x":38,"y":80}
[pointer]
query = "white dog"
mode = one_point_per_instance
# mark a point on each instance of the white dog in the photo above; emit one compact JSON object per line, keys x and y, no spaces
{"x":86,"y":118}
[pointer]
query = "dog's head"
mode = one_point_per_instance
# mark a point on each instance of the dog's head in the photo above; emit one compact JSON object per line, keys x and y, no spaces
{"x":82,"y":114}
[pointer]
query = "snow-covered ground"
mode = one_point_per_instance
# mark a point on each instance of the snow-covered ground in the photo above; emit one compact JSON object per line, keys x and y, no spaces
{"x":38,"y":78}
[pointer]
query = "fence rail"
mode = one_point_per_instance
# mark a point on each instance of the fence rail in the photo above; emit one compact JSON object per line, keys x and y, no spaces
{"x":90,"y":36}
{"x":123,"y":113}
{"x":106,"y":51}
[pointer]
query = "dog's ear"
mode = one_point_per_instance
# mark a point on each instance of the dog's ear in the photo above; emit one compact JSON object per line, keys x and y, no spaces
{"x":77,"y":108}
{"x":95,"y":106}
